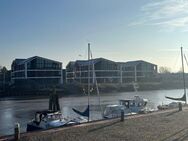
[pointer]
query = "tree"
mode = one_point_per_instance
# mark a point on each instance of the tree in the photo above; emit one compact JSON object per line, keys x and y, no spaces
{"x":164,"y":70}
{"x":3,"y":71}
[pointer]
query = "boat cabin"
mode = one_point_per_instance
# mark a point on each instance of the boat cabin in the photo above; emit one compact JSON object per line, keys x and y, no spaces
{"x":129,"y":106}
{"x":46,"y":116}
{"x":132,"y":103}
{"x":112,"y":111}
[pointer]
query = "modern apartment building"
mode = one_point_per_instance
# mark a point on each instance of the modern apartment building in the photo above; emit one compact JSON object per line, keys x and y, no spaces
{"x":36,"y":72}
{"x":100,"y":69}
{"x":137,"y":71}
{"x":107,"y":71}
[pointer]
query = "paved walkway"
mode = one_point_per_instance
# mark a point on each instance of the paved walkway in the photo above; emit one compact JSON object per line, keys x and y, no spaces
{"x":169,"y":125}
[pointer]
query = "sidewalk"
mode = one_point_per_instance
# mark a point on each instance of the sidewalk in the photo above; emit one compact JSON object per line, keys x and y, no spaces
{"x":158,"y":126}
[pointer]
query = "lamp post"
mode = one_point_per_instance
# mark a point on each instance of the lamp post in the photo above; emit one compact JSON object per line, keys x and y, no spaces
{"x":80,"y":70}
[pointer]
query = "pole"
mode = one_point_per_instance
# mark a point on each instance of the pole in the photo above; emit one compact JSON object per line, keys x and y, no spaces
{"x":4,"y":81}
{"x":122,"y":115}
{"x":135,"y":74}
{"x":88,"y":77}
{"x":61,"y":81}
{"x":17,"y":132}
{"x":121,"y":74}
{"x":183,"y":73}
{"x":80,"y":74}
{"x":25,"y":70}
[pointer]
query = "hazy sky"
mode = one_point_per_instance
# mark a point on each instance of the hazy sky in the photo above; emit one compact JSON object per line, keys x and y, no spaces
{"x":120,"y":30}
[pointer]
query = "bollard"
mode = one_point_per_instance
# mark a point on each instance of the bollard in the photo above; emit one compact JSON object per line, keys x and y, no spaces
{"x":122,"y":115}
{"x":180,"y":106}
{"x":17,"y":132}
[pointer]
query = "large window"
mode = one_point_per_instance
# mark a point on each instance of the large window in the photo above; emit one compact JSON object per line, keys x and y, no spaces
{"x":40,"y":63}
{"x":44,"y":74}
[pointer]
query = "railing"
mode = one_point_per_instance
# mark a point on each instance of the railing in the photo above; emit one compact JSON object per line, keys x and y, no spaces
{"x":50,"y":77}
{"x":119,"y":74}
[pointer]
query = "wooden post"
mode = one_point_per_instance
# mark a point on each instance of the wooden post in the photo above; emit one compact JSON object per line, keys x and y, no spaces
{"x":122,"y":115}
{"x":17,"y":132}
{"x":180,"y":106}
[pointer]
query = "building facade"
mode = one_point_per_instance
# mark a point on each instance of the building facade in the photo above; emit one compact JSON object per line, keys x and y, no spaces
{"x":137,"y":71}
{"x":36,"y":72}
{"x":107,"y":71}
{"x":100,"y":69}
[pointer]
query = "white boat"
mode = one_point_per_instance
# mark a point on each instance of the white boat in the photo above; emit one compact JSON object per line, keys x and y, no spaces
{"x":129,"y":106}
{"x":52,"y":118}
{"x":168,"y":106}
{"x":48,"y":119}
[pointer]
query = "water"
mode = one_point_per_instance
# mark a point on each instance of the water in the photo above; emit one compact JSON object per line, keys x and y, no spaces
{"x":22,"y":111}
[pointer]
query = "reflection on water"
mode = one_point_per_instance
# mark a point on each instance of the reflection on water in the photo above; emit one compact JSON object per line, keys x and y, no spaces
{"x":23,"y":110}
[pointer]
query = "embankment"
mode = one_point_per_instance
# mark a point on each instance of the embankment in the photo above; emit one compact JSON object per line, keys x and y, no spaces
{"x":158,"y":126}
{"x":78,"y":90}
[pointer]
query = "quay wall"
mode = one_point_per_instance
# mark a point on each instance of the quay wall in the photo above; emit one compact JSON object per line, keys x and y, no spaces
{"x":163,"y":125}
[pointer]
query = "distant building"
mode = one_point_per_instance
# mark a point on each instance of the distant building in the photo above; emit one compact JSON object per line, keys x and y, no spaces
{"x":36,"y":72}
{"x":105,"y":71}
{"x":136,"y":71}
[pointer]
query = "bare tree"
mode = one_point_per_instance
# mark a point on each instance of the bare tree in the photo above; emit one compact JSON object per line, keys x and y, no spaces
{"x":3,"y":71}
{"x":164,"y":70}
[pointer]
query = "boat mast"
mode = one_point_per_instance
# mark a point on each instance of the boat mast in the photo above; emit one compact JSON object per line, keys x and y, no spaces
{"x":95,"y":81}
{"x":183,"y":73}
{"x":88,"y":78}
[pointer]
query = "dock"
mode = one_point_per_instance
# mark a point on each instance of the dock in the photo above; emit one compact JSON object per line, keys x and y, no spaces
{"x":164,"y":125}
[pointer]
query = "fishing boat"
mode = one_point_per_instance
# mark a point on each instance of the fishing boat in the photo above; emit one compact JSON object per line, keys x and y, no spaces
{"x":129,"y":106}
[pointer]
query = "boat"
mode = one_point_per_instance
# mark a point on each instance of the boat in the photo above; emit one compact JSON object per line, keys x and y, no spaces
{"x":86,"y":112}
{"x":51,"y":118}
{"x":168,"y":106}
{"x":129,"y":106}
{"x":183,"y":98}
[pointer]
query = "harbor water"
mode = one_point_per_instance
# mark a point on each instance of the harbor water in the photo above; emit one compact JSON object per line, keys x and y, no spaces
{"x":22,"y":111}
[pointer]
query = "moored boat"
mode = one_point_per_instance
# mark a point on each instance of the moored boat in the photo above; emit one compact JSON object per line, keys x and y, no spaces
{"x":52,"y":117}
{"x":46,"y":120}
{"x":129,"y":107}
{"x":168,"y":106}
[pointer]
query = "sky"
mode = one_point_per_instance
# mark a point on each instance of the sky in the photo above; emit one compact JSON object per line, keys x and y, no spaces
{"x":119,"y":30}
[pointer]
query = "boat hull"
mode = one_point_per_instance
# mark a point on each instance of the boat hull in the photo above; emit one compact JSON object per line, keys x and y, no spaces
{"x":31,"y":127}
